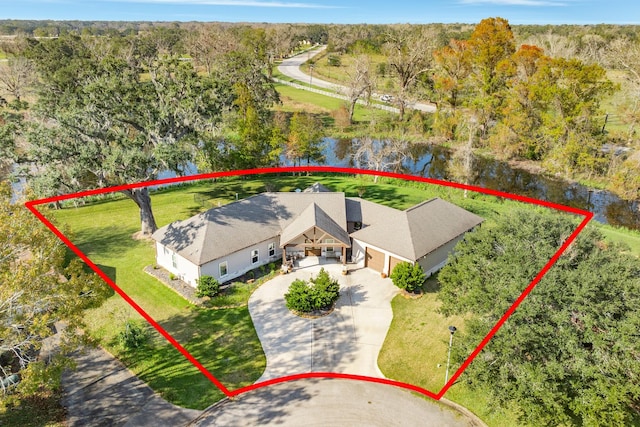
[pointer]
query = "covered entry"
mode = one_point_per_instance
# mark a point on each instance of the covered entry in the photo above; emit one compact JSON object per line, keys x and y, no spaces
{"x":314,"y":233}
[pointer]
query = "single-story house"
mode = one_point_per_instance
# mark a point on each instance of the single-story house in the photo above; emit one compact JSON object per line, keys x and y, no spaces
{"x":230,"y":240}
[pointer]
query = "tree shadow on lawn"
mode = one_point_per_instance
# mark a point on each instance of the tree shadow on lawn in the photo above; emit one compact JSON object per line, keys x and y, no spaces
{"x":432,"y":285}
{"x":224,"y":341}
{"x":105,"y":240}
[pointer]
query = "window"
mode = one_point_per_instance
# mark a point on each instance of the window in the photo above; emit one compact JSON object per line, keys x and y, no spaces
{"x":222,"y":269}
{"x":329,"y":248}
{"x":272,"y":249}
{"x":254,"y":256}
{"x":174,"y":261}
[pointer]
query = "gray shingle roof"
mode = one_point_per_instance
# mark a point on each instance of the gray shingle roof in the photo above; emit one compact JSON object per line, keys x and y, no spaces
{"x":417,"y":231}
{"x":317,"y":188}
{"x":411,"y":234}
{"x":238,"y":225}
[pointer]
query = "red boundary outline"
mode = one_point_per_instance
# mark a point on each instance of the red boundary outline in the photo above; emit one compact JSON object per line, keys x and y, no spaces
{"x":31,"y":205}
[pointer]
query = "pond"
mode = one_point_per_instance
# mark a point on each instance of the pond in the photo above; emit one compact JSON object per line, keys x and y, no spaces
{"x":434,"y":162}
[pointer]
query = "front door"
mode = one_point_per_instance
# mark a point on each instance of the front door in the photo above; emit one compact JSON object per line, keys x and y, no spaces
{"x":313,"y":251}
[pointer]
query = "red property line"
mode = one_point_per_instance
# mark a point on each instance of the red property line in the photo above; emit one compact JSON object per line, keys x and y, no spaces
{"x":326,"y":169}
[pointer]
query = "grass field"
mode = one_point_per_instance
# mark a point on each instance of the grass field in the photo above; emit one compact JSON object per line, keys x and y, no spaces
{"x":415,"y":351}
{"x":225,"y":340}
{"x":301,"y":100}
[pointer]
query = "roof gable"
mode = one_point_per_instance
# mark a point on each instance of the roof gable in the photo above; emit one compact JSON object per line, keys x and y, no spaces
{"x":313,"y":216}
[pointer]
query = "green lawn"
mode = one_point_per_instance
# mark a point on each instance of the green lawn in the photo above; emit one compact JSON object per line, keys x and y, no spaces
{"x":225,"y":340}
{"x":415,"y":352}
{"x":302,"y":100}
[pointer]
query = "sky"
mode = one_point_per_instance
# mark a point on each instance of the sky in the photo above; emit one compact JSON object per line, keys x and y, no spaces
{"x":330,"y":11}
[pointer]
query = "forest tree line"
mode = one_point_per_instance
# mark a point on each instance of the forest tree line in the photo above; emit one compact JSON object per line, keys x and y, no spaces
{"x":101,"y":104}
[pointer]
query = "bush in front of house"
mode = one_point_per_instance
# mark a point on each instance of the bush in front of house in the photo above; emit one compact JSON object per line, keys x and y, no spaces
{"x":207,"y":287}
{"x":407,"y":276}
{"x":320,"y":293}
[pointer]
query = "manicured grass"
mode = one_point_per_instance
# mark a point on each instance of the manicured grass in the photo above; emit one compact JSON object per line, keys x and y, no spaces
{"x":628,"y":237}
{"x":223,"y":340}
{"x":415,"y":351}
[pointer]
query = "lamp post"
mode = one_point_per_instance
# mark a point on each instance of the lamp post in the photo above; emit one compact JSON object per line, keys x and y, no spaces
{"x":453,"y":330}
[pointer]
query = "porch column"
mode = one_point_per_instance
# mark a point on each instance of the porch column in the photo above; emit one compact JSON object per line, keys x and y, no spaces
{"x":344,"y":255}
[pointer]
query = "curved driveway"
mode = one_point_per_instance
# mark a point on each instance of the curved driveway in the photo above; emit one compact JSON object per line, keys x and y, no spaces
{"x":290,"y":67}
{"x":346,"y":341}
{"x":330,"y":402}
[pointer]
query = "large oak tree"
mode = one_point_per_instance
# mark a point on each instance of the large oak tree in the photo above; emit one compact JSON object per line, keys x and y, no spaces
{"x":570,"y":353}
{"x":117,"y":118}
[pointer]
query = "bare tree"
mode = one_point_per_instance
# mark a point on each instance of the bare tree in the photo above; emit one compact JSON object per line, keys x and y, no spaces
{"x":380,"y":154}
{"x":209,"y":43}
{"x":17,"y":76}
{"x":360,"y":83}
{"x":625,"y":55}
{"x":554,"y":45}
{"x":409,"y":52}
{"x":593,"y":50}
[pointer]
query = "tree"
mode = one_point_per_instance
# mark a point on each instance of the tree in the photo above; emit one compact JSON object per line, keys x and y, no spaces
{"x":380,"y":154}
{"x":626,"y":178}
{"x":519,"y":133}
{"x":491,"y":43}
{"x":360,"y":83}
{"x":624,"y":54}
{"x":409,"y":52}
{"x":17,"y":77}
{"x":408,"y":276}
{"x":305,"y":139}
{"x":102,"y":124}
{"x":38,"y":290}
{"x":569,"y":353}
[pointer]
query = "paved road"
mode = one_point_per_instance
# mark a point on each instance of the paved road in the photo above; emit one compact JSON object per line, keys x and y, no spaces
{"x":290,"y":67}
{"x":103,"y":392}
{"x":330,"y":402}
{"x":347,"y":341}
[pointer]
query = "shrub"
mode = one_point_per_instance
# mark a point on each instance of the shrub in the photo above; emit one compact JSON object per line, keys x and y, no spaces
{"x":408,"y":276}
{"x":334,"y":61}
{"x":207,"y":287}
{"x":321,"y":293}
{"x":298,"y":298}
{"x":134,"y":335}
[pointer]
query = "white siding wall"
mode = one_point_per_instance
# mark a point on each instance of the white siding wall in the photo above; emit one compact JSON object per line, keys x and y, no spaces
{"x":437,"y":259}
{"x":239,"y":262}
{"x":358,"y":254}
{"x":184,"y":269}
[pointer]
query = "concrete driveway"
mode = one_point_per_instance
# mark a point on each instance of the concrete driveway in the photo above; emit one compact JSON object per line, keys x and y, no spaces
{"x":330,"y":402}
{"x":346,"y":341}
